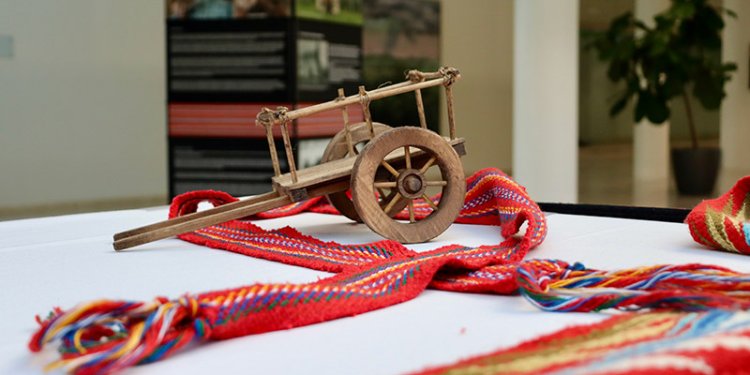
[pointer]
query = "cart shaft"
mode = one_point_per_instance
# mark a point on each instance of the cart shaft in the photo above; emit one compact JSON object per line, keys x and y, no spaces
{"x":198,"y":220}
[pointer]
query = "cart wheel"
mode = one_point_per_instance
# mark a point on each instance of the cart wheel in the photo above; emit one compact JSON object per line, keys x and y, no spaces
{"x":427,"y":162}
{"x":338,"y":149}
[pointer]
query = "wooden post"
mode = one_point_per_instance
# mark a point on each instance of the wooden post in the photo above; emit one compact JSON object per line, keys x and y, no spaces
{"x":272,"y":149}
{"x":451,"y":121}
{"x":289,"y":154}
{"x":345,"y":114}
{"x":420,"y":108}
{"x":365,"y":100}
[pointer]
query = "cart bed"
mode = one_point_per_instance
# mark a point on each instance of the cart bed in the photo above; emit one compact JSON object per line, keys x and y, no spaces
{"x":339,"y":170}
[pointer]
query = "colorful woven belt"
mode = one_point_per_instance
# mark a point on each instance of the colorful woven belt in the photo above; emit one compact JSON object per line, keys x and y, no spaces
{"x":108,"y":335}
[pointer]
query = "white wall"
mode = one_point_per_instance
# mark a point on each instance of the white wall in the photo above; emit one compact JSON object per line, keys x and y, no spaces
{"x":477,"y":38}
{"x":735,"y":110}
{"x":82,"y":102}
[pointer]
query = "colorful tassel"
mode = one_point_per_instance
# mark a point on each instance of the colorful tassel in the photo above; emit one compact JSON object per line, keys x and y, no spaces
{"x":107,"y":336}
{"x":688,"y":287}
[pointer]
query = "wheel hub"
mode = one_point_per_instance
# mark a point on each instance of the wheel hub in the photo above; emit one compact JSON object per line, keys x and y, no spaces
{"x":411,"y":183}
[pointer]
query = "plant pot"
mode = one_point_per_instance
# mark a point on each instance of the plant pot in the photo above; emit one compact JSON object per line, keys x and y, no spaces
{"x":695,"y":170}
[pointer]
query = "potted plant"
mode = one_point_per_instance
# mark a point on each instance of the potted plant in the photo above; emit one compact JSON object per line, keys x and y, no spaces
{"x":681,"y":53}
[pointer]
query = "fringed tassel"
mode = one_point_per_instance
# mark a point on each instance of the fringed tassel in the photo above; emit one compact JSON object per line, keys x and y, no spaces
{"x":107,"y":336}
{"x":557,"y":286}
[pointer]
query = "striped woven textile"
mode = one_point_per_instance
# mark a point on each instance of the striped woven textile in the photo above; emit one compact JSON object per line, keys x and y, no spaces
{"x":110,"y":335}
{"x":713,"y":342}
{"x":724,"y":223}
{"x":107,"y":335}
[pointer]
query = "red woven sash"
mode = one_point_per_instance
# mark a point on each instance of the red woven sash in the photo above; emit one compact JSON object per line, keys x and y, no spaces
{"x":110,"y":335}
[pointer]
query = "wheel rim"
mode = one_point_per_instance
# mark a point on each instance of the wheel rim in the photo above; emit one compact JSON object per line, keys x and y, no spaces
{"x":428,"y":162}
{"x":338,"y":149}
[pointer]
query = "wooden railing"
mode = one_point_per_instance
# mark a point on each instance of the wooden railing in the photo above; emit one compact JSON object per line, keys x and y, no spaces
{"x":416,"y":81}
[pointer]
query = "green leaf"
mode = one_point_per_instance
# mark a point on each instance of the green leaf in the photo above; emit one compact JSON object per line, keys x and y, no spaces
{"x":641,"y":106}
{"x":682,"y":49}
{"x":729,"y":67}
{"x":658,"y":111}
{"x":711,"y":19}
{"x":652,"y":107}
{"x":634,"y":85}
{"x":673,"y":86}
{"x":683,"y":9}
{"x":621,"y":23}
{"x":617,"y":70}
{"x":619,"y":105}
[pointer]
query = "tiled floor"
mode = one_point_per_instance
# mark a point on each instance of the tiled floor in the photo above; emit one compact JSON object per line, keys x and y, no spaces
{"x":605,"y":176}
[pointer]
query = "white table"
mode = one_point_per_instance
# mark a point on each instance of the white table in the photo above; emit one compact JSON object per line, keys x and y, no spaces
{"x":61,"y":261}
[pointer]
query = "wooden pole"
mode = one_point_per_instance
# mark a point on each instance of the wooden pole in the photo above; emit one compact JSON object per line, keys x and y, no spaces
{"x":345,"y":114}
{"x":192,"y":223}
{"x":289,"y":154}
{"x":272,"y":149}
{"x":365,"y":99}
{"x":420,"y":108}
{"x":196,"y":215}
{"x":451,"y":120}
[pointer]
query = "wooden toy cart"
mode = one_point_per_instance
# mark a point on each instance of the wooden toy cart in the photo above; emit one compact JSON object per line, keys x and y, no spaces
{"x":385,"y":170}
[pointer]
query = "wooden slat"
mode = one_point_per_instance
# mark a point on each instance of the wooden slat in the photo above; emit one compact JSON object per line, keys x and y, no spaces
{"x":380,"y":93}
{"x":334,"y":170}
{"x":327,"y":171}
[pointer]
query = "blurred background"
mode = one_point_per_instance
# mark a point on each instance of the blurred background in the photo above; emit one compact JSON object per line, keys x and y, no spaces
{"x":123,"y":104}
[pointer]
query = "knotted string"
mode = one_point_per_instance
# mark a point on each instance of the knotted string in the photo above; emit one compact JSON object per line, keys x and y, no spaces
{"x":105,"y":336}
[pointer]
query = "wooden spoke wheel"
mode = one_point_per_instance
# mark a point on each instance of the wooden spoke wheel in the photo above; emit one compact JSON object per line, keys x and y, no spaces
{"x":338,"y":149}
{"x":410,"y":161}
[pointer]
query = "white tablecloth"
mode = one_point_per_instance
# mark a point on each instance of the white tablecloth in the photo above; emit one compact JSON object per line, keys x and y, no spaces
{"x":61,"y":261}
